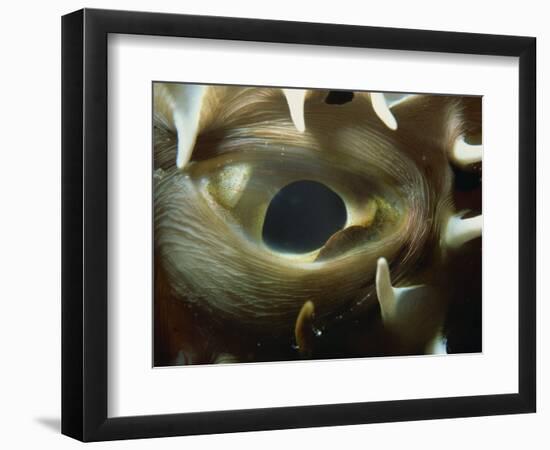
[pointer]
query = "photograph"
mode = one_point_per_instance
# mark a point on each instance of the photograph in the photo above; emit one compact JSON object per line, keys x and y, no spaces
{"x":275,"y":225}
{"x":311,"y":224}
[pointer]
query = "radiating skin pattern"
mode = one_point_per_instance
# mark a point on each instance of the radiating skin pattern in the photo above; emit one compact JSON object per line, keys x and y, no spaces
{"x":222,"y":296}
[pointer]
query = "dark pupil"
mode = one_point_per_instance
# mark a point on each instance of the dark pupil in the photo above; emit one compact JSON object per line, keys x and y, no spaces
{"x":302,"y":216}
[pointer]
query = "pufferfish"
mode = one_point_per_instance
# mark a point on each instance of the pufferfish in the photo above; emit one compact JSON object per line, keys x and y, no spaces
{"x":381,"y":281}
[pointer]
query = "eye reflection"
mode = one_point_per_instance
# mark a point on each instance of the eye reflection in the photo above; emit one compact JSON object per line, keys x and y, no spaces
{"x":302,"y":216}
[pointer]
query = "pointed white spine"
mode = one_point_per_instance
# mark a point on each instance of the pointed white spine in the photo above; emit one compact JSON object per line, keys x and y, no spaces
{"x":295,"y":99}
{"x":464,"y":154}
{"x":459,"y":231}
{"x":389,"y":296}
{"x":385,"y":291}
{"x":188,"y":101}
{"x":382,"y":110}
{"x":303,"y":329}
{"x":438,"y":346}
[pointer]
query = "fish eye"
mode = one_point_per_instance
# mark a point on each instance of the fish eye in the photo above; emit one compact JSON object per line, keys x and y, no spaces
{"x":302,"y":216}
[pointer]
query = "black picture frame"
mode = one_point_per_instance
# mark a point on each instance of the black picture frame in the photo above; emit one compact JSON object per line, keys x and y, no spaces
{"x":84,"y":224}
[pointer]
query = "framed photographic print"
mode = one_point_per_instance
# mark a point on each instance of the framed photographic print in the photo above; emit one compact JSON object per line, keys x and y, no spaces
{"x":274,"y":224}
